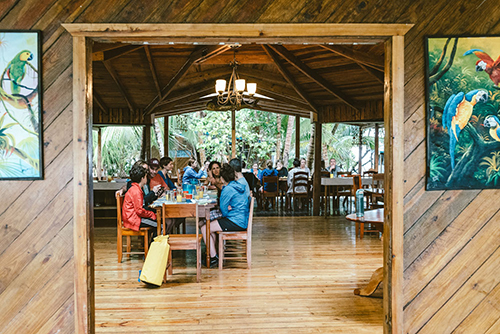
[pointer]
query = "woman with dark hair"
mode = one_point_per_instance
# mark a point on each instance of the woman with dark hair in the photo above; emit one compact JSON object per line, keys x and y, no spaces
{"x":166,"y":165}
{"x":214,"y":179}
{"x":234,"y":205}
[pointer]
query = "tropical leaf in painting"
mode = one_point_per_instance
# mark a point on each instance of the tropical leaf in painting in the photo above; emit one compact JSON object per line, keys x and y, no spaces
{"x":436,"y":168}
{"x":9,"y":169}
{"x":493,"y":168}
{"x":30,"y":146}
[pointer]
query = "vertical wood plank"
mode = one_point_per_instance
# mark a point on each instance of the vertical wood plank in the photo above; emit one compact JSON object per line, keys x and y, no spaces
{"x":317,"y":168}
{"x":375,"y":164}
{"x":394,"y":181}
{"x":297,"y":137}
{"x":99,"y":153}
{"x":82,"y":197}
{"x":360,"y":162}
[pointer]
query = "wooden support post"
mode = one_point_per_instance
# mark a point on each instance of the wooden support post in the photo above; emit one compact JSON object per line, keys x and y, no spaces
{"x":83,"y":199}
{"x":317,"y":168}
{"x":166,"y":134}
{"x":297,"y":137}
{"x":233,"y":134}
{"x":360,"y":150}
{"x":394,"y":184}
{"x":146,"y":143}
{"x":375,"y":163}
{"x":99,"y":154}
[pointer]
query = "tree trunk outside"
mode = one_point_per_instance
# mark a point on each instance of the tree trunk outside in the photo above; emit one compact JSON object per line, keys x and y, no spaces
{"x":159,"y":137}
{"x":288,"y":140}
{"x":310,"y":148}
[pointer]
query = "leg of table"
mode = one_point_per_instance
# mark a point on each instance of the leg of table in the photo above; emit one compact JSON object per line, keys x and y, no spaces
{"x":207,"y":244}
{"x":361,"y":230}
{"x":326,"y":199}
{"x":159,"y":221}
{"x":375,"y":280}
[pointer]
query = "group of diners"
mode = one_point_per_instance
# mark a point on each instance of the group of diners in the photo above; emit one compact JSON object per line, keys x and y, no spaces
{"x":148,"y":181}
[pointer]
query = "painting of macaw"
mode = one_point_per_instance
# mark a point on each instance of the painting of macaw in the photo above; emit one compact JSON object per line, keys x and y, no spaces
{"x":493,"y":123}
{"x":463,"y":108}
{"x":20,"y":106}
{"x":487,"y":64}
{"x":457,"y":113}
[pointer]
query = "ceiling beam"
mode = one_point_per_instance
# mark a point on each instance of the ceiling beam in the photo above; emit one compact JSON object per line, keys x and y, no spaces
{"x":100,"y":103}
{"x":379,"y":76}
{"x":152,"y":69}
{"x":114,"y":75}
{"x":196,"y":55}
{"x":114,"y":53}
{"x":311,"y":74}
{"x":212,"y":53}
{"x":367,"y":59}
{"x":288,"y":77}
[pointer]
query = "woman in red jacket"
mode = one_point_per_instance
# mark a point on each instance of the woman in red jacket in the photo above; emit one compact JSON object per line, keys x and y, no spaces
{"x":133,"y":213}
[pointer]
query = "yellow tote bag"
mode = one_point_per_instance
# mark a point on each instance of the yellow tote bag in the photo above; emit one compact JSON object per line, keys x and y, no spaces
{"x":156,"y":262}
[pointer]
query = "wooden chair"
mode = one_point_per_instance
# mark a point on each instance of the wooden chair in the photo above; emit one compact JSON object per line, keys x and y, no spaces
{"x":268,"y":180}
{"x":377,"y":183}
{"x":125,"y":232}
{"x":300,"y":179}
{"x":183,"y":241}
{"x":241,"y":235}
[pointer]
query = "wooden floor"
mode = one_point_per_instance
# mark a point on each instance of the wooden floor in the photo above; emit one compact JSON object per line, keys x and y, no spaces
{"x":303,"y":274}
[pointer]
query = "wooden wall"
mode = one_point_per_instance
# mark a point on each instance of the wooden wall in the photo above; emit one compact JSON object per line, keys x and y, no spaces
{"x":370,"y":111}
{"x":451,"y":238}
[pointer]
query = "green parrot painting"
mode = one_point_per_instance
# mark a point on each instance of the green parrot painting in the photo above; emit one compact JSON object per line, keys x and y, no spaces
{"x":16,"y":70}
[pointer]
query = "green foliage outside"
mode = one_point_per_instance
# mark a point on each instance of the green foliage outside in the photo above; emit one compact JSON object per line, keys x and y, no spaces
{"x":121,"y":147}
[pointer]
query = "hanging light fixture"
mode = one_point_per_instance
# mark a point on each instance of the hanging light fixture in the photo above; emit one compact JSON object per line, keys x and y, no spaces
{"x":235,"y":97}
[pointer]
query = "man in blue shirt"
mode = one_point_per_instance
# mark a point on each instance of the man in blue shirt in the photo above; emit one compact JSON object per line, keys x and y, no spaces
{"x":190,"y":172}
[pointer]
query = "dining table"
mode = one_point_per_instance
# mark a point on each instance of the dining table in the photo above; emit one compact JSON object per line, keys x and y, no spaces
{"x":371,"y":217}
{"x":205,"y":204}
{"x":344,"y":182}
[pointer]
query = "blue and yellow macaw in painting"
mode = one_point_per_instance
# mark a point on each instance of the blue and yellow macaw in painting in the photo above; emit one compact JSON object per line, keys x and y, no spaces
{"x":457,"y":113}
{"x":493,"y":123}
{"x":16,"y":70}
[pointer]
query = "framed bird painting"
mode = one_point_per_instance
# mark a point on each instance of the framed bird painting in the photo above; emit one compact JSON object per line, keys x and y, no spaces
{"x":21,"y":144}
{"x":463,"y":112}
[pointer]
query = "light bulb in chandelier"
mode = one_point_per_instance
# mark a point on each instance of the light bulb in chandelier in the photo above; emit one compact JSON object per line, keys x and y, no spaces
{"x":220,"y":86}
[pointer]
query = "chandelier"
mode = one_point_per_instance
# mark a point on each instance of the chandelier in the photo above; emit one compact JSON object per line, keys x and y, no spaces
{"x":235,"y":97}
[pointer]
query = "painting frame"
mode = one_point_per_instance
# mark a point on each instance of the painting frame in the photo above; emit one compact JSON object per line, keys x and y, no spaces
{"x":462,"y":158}
{"x":34,"y":102}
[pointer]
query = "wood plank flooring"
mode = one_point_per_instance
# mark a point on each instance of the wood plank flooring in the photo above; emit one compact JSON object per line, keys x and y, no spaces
{"x":303,"y":274}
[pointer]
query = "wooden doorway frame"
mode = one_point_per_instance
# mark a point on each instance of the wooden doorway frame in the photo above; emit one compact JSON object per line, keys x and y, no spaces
{"x":85,"y":34}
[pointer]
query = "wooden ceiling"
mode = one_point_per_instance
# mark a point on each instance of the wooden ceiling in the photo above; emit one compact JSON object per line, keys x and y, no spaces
{"x":171,"y":79}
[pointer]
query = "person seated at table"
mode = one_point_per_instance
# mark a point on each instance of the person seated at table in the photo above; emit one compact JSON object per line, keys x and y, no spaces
{"x":234,"y":205}
{"x":255,"y":170}
{"x":291,"y":173}
{"x":303,"y":167}
{"x":252,"y":180}
{"x":269,"y":171}
{"x":155,"y":178}
{"x":238,"y":165}
{"x":323,"y":168}
{"x":190,"y":172}
{"x":166,"y":165}
{"x":333,"y":168}
{"x":150,"y":193}
{"x":133,"y":213}
{"x":282,"y":171}
{"x":214,"y":179}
